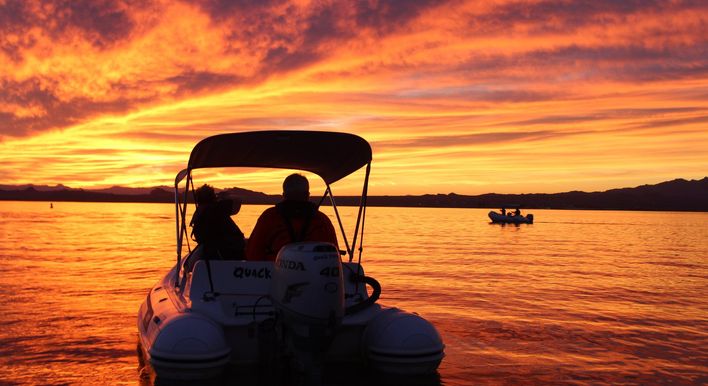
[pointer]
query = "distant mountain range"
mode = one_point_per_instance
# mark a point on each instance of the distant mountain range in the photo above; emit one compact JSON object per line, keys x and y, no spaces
{"x":675,"y":195}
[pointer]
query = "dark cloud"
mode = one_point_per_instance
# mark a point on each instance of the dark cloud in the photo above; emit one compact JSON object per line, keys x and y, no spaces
{"x":553,"y":16}
{"x":387,"y":16}
{"x":654,"y":113}
{"x":281,"y":59}
{"x":100,"y":22}
{"x":290,"y":38}
{"x":192,"y":82}
{"x":326,"y":23}
{"x":638,"y":119}
{"x":15,"y":21}
{"x":323,"y":20}
{"x":655,"y":124}
{"x":227,"y":9}
{"x":53,"y":111}
{"x":31,"y":94}
{"x":516,"y":96}
{"x":633,"y":62}
{"x":268,"y":25}
{"x":555,"y":120}
{"x":577,"y":63}
{"x":103,"y":22}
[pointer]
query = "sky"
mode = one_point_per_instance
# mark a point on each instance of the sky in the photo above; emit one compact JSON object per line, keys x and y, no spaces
{"x":456,"y":96}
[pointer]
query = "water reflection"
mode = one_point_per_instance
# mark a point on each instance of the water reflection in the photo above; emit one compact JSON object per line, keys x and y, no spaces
{"x":597,"y":297}
{"x":278,"y":376}
{"x":511,"y":224}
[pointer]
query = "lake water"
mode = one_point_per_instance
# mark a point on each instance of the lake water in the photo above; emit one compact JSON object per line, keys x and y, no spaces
{"x":579,"y":297}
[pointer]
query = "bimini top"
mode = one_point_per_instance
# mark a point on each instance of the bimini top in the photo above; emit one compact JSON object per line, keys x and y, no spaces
{"x":332,"y":156}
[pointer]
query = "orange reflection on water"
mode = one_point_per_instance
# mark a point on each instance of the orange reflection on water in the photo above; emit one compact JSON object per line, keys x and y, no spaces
{"x":577,"y":297}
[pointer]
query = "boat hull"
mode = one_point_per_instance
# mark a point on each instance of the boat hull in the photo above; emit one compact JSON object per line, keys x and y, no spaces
{"x":499,"y":218}
{"x":191,"y":332}
{"x":177,"y":343}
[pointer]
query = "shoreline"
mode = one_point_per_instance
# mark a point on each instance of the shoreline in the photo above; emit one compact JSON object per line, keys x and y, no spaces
{"x":676,"y":195}
{"x":326,"y":204}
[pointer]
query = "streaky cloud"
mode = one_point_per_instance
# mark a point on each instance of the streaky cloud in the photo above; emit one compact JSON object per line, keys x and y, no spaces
{"x":671,"y":123}
{"x":600,"y":115}
{"x":268,"y":37}
{"x":482,"y":94}
{"x":52,"y":111}
{"x":468,"y":139}
{"x":192,"y":82}
{"x":574,"y":63}
{"x":551,"y":16}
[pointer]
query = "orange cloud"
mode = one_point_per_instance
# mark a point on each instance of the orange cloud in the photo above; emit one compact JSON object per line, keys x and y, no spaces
{"x":469,"y":97}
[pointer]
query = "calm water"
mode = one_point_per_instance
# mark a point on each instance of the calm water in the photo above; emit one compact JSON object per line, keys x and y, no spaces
{"x":579,"y":297}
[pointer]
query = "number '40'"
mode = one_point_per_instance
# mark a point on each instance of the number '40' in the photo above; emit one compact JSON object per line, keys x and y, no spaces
{"x":330,"y":271}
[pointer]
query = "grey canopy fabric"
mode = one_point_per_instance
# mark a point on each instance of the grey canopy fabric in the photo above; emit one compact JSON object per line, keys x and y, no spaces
{"x":330,"y":155}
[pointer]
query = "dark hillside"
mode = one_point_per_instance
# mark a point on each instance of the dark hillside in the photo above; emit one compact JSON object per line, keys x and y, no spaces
{"x":675,"y":195}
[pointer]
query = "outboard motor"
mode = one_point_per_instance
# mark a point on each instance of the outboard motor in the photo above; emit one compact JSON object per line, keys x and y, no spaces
{"x":307,"y":291}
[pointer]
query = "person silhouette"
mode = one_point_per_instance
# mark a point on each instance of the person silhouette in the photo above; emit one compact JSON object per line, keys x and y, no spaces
{"x":292,"y":220}
{"x":213,"y":227}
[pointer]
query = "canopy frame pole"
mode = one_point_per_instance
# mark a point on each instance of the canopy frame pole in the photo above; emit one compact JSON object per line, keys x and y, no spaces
{"x":182,"y":221}
{"x":362,"y":205}
{"x":361,"y":239}
{"x":350,"y":251}
{"x":362,"y":216}
{"x":186,"y":199}
{"x":178,"y":226}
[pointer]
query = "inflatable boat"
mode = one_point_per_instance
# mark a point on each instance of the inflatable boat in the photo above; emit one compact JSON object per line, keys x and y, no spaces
{"x":497,"y":217}
{"x":313,"y":306}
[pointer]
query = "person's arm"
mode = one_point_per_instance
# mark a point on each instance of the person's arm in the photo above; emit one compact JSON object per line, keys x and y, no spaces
{"x":328,"y":233}
{"x":257,"y":243}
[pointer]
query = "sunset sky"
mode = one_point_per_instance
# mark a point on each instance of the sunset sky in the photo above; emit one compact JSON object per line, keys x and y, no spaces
{"x":454,"y":96}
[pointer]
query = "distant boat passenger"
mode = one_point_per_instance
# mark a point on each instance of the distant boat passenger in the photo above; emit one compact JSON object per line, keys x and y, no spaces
{"x":51,"y":206}
{"x":514,"y":217}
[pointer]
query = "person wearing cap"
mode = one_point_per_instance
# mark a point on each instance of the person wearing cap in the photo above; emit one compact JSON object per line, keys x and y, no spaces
{"x":292,"y":220}
{"x":213,"y":227}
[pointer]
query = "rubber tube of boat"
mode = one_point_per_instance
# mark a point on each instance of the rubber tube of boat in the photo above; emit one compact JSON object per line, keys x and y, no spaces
{"x":400,"y":342}
{"x":189,"y":345}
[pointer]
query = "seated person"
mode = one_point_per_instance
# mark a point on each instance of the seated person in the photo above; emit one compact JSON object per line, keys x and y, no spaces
{"x":292,"y":220}
{"x":213,"y":228}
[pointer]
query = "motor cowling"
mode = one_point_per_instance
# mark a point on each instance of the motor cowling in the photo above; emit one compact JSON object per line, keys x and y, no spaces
{"x":307,"y":291}
{"x":307,"y":286}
